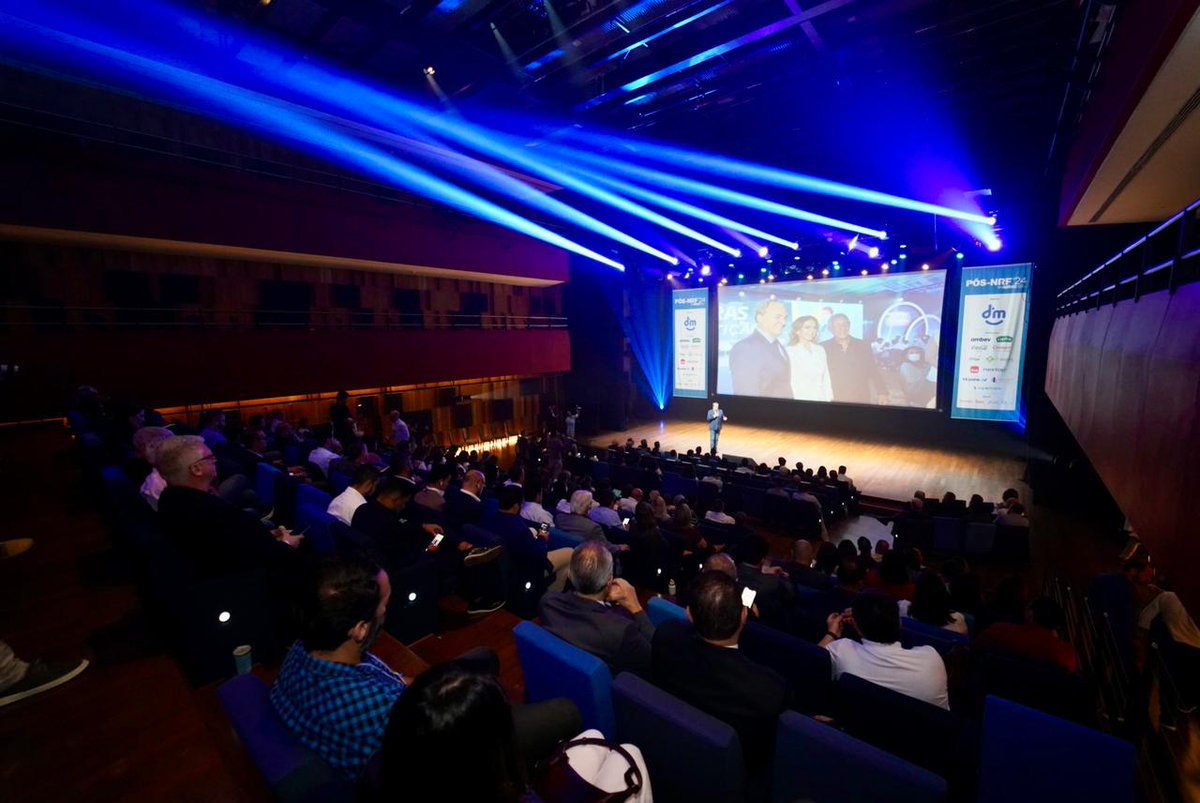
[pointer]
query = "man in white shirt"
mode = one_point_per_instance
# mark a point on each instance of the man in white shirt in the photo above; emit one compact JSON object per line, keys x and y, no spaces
{"x":626,"y":505}
{"x":717,"y":514}
{"x":531,"y":508}
{"x":329,"y":450}
{"x":355,"y":496}
{"x":919,"y":672}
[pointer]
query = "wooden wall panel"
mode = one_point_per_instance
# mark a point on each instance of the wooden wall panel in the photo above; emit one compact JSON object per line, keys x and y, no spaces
{"x":1127,"y":382}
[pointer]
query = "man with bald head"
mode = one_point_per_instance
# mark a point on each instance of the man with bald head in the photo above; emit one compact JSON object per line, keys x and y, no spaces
{"x":759,"y":363}
{"x":465,"y":505}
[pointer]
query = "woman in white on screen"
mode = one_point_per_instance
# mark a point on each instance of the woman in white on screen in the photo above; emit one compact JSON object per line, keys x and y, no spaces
{"x":810,"y":369}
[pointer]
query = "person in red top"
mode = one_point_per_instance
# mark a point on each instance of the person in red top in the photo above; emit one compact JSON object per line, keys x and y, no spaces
{"x":1036,"y":640}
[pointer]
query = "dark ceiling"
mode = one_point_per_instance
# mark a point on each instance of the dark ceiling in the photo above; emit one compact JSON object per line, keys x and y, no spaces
{"x":735,"y":75}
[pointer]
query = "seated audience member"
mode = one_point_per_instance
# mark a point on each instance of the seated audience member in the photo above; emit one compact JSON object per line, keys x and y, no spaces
{"x":602,"y":615}
{"x":362,"y":485}
{"x":864,"y":552}
{"x":717,"y":514}
{"x":701,"y":665}
{"x":931,"y":605}
{"x":1009,"y":498}
{"x":628,"y":501}
{"x":604,"y":512}
{"x":433,"y":495}
{"x":826,"y":560}
{"x":516,"y":475}
{"x":145,"y":444}
{"x":328,"y":450}
{"x":526,"y":544}
{"x":882,"y":547}
{"x":248,"y":452}
{"x":138,"y":466}
{"x":647,"y":546}
{"x":892,"y":576}
{"x":576,"y":520}
{"x":800,"y":568}
{"x":1036,"y":640}
{"x":880,"y":658}
{"x":842,"y":477}
{"x":1179,"y":646}
{"x":465,"y":505}
{"x":847,"y":550}
{"x":331,"y":692}
{"x":772,"y":584}
{"x":851,"y":577}
{"x":1014,"y":516}
{"x":453,"y":711}
{"x":215,"y":536}
{"x":662,"y":513}
{"x":531,"y":508}
{"x":212,"y":429}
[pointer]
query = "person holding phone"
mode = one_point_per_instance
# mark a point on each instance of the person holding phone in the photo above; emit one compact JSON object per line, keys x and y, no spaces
{"x":701,"y":665}
{"x":527,"y":545}
{"x":603,"y":615}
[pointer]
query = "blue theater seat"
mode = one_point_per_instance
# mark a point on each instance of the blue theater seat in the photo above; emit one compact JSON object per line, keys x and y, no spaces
{"x":294,"y":773}
{"x":803,"y":665}
{"x":660,"y":610}
{"x":315,"y":523}
{"x":1032,"y":757}
{"x":266,"y":484}
{"x":311,"y":495}
{"x":553,"y":668}
{"x":818,"y":763}
{"x":690,"y":755}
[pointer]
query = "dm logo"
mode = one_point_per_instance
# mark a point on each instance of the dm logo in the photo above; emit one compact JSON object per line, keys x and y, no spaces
{"x":689,"y":323}
{"x":993,"y":316}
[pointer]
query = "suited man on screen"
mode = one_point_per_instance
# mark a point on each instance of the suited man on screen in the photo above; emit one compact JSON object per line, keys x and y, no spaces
{"x":759,"y":363}
{"x":853,"y":372}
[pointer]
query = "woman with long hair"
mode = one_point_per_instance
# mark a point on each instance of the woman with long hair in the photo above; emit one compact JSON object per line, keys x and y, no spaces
{"x":810,"y":367}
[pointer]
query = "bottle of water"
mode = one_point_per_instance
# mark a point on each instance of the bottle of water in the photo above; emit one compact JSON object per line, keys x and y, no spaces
{"x":671,"y":587}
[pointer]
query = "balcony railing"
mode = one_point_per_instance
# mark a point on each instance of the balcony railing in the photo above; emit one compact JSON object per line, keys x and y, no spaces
{"x":54,"y":316}
{"x":1164,"y":259}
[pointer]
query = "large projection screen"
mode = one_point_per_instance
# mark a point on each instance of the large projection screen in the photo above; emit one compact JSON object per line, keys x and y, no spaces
{"x":866,"y":340}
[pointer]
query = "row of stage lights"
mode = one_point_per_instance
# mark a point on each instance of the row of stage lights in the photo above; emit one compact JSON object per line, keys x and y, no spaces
{"x":766,"y":274}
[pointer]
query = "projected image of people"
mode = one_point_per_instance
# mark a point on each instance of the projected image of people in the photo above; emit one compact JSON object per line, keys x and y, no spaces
{"x":871,"y":340}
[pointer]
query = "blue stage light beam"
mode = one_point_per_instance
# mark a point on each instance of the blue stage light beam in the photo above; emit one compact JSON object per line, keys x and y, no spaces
{"x":762,"y":174}
{"x":60,"y":50}
{"x":652,"y":37}
{"x":692,"y":187}
{"x":684,"y":208}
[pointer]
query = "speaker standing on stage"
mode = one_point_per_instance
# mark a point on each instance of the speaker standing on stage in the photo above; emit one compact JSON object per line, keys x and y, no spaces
{"x":716,"y":417}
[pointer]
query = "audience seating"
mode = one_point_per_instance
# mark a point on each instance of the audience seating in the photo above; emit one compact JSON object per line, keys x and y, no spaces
{"x":818,"y":763}
{"x":922,"y":633}
{"x":804,"y":665}
{"x":266,"y":484}
{"x":660,"y":610}
{"x":338,"y":482}
{"x":294,"y":773}
{"x":914,"y":730}
{"x":690,"y":755}
{"x":553,"y":668}
{"x":316,"y":524}
{"x":1041,"y":686}
{"x":312,"y":495}
{"x":1033,"y":757}
{"x":1012,"y":544}
{"x":948,"y":534}
{"x":980,"y":538}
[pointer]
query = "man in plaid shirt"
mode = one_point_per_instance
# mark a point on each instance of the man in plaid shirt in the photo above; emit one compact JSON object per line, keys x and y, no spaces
{"x":331,"y":691}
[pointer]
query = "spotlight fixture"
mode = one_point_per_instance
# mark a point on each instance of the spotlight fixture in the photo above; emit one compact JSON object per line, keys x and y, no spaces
{"x":873,"y":252}
{"x":771,"y":277}
{"x":864,"y":273}
{"x":994,"y":245}
{"x":429,"y":71}
{"x":741,"y":276}
{"x":825,"y":272}
{"x":705,"y":270}
{"x":809,"y":277}
{"x":904,"y":256}
{"x":925,"y":266}
{"x":762,"y":281}
{"x":763,"y":251}
{"x":884,"y":266}
{"x":960,"y":255}
{"x":895,"y":262}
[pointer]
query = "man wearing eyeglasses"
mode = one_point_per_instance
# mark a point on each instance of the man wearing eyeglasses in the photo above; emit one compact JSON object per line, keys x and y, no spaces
{"x":215,"y":536}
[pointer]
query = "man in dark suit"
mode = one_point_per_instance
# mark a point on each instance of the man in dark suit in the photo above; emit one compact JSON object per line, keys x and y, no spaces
{"x":214,"y":536}
{"x":800,"y":568}
{"x":716,"y":419}
{"x":853,"y":372}
{"x":701,"y":665}
{"x":758,"y":362}
{"x":602,"y":616}
{"x":464,"y":505}
{"x":526,"y":544}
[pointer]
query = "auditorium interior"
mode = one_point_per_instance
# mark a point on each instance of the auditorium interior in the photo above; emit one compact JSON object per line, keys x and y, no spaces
{"x":562,"y":400}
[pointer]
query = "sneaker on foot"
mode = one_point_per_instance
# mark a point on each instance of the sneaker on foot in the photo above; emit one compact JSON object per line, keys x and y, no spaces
{"x":14,"y":547}
{"x":484,"y":606}
{"x":41,"y":676}
{"x":481,"y":554}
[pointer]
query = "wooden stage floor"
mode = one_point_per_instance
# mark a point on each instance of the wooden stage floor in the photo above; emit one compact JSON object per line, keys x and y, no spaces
{"x":878,"y":468}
